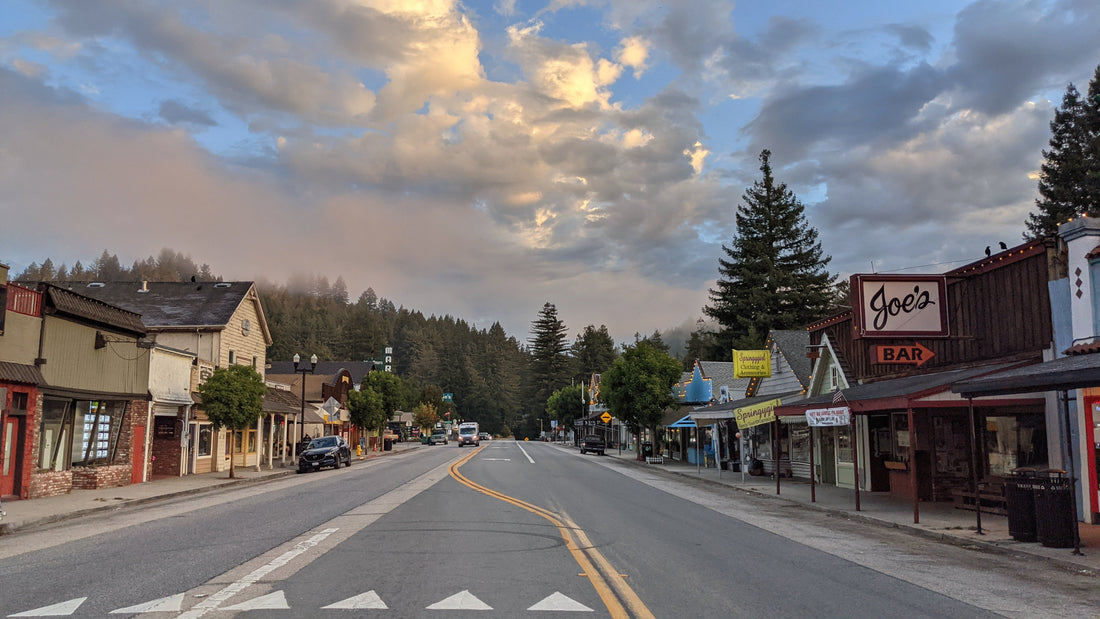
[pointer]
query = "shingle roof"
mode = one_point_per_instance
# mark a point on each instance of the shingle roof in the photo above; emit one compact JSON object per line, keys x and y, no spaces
{"x":793,"y":346}
{"x":328,"y":369}
{"x":281,"y":401}
{"x":93,"y":309}
{"x":173,"y":304}
{"x":20,"y":373}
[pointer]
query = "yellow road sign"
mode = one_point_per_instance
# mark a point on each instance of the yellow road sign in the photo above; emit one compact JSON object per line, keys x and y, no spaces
{"x":605,"y":417}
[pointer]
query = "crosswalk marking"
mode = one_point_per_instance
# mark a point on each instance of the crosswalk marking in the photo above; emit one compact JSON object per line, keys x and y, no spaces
{"x":463,"y":600}
{"x":271,"y":601}
{"x":61,"y":609}
{"x":172,"y":603}
{"x":369,"y":599}
{"x":561,"y":602}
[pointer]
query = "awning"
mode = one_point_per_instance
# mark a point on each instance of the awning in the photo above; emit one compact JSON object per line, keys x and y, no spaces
{"x":684,"y":422}
{"x":898,"y":393}
{"x":1064,"y":374}
{"x":705,"y":416}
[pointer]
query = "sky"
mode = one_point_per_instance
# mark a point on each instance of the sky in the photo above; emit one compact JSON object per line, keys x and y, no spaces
{"x":482,"y":158}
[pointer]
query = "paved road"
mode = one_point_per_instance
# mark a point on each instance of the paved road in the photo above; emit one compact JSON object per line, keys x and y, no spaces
{"x":511,"y":529}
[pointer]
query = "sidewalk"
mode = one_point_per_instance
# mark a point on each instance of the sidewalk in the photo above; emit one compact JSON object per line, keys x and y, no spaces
{"x":28,"y":513}
{"x":937,"y":520}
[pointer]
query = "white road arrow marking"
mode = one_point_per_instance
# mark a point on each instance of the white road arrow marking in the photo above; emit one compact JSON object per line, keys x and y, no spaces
{"x":369,"y":599}
{"x":271,"y":601}
{"x":562,"y":602}
{"x":463,"y":600}
{"x":61,"y":609}
{"x":172,"y":603}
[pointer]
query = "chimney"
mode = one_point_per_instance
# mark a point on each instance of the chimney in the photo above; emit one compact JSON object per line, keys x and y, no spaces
{"x":144,"y":286}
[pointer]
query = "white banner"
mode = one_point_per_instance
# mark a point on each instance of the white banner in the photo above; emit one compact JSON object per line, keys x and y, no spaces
{"x":840,"y":416}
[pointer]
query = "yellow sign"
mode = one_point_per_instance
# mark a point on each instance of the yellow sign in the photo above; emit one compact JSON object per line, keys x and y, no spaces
{"x":605,"y":417}
{"x":756,"y":414}
{"x":752,"y":363}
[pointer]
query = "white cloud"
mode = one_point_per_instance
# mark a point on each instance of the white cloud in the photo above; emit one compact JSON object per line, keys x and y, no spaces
{"x":633,"y":52}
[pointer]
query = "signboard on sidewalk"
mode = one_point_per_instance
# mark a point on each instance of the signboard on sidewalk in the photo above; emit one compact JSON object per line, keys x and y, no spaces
{"x":820,"y":417}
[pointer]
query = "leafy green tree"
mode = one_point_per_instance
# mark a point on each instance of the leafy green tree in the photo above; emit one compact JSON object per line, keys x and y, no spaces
{"x":365,"y":410}
{"x":233,"y":398}
{"x":638,"y":387}
{"x":388,"y":385}
{"x":593,"y":352}
{"x":1069,"y":172}
{"x":550,"y":365}
{"x":566,"y":405}
{"x":773,"y":276}
{"x":425,"y":416}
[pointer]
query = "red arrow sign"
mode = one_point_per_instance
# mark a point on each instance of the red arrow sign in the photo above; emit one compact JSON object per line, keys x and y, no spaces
{"x":912,"y":354}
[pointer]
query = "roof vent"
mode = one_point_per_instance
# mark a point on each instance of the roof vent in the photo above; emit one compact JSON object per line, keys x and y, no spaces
{"x":95,"y":284}
{"x":144,"y":286}
{"x":222,"y":285}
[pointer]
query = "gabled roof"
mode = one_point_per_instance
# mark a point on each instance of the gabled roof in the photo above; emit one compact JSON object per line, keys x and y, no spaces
{"x":92,"y":309}
{"x":174,"y":304}
{"x":329,"y":369}
{"x":792,"y":344}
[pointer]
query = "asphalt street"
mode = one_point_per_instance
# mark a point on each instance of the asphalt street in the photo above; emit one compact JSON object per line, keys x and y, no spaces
{"x":510,"y":529}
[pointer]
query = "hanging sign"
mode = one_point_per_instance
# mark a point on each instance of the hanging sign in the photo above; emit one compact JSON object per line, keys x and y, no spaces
{"x":913,"y":354}
{"x":819,"y":417}
{"x":752,"y":363}
{"x":900,"y":305}
{"x":756,"y":414}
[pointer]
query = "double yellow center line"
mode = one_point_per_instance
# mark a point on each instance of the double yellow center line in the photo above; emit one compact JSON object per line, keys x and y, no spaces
{"x":617,"y":596}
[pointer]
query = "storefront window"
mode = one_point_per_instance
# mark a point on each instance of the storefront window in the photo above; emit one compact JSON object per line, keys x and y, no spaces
{"x":51,"y":434}
{"x":205,"y":440}
{"x":238,"y":440}
{"x":251,"y":441}
{"x":844,"y":443}
{"x":800,"y":442}
{"x":1013,"y":442}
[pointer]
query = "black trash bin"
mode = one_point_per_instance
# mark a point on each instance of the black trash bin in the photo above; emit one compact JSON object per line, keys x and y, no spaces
{"x":1055,"y":522}
{"x":647,"y":450}
{"x":387,"y":444}
{"x":1020,"y":495}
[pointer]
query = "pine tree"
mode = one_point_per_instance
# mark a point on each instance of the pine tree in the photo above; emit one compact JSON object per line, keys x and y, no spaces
{"x":1065,"y":188}
{"x":549,"y":362}
{"x":774,"y":276}
{"x":593,"y":351}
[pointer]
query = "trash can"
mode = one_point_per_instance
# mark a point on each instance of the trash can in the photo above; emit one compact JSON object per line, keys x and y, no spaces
{"x":387,"y":444}
{"x":1020,"y":495}
{"x":647,"y":450}
{"x":1055,"y":522}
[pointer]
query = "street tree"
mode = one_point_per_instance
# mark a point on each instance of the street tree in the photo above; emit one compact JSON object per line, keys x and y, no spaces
{"x":425,"y":416}
{"x":566,"y":405}
{"x":233,"y":398}
{"x":773,"y":275}
{"x":365,"y":409}
{"x":638,"y":387}
{"x":1070,"y":172}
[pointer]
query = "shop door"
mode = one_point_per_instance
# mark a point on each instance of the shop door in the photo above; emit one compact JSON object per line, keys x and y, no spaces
{"x":137,"y":469}
{"x":11,"y":465}
{"x":828,"y":456}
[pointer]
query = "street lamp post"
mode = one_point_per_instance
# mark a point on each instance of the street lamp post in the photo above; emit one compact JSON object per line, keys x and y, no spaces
{"x":302,"y":420}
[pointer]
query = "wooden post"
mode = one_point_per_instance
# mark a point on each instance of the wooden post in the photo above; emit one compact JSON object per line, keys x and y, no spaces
{"x":855,"y":458}
{"x":974,"y":466}
{"x":813,"y":487}
{"x":776,"y":454}
{"x":913,"y":467}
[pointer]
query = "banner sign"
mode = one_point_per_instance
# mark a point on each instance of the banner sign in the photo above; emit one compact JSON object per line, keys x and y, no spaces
{"x":756,"y":414}
{"x":900,"y":305}
{"x":752,"y":363}
{"x":840,"y":416}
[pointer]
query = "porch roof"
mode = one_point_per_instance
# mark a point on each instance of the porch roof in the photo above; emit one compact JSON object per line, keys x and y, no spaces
{"x":1066,"y":373}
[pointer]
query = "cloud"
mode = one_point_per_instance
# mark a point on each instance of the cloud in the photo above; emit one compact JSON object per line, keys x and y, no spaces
{"x":633,"y":52}
{"x":174,"y":112}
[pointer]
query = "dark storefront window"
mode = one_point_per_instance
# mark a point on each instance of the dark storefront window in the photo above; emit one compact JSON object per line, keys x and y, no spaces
{"x":51,"y":438}
{"x":205,"y":439}
{"x":1015,"y":441}
{"x":78,"y":432}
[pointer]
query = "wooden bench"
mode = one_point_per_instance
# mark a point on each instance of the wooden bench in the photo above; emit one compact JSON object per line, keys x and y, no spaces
{"x":993,"y":500}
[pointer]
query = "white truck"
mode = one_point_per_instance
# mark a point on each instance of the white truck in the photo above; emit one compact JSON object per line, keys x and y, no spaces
{"x":467,"y":433}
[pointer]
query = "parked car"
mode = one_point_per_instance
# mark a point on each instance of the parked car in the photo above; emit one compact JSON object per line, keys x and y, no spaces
{"x":438,"y":436}
{"x":593,"y":443}
{"x":484,"y":436}
{"x":324,"y":451}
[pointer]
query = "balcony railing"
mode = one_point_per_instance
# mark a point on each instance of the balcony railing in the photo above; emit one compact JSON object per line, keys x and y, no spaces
{"x":24,"y":300}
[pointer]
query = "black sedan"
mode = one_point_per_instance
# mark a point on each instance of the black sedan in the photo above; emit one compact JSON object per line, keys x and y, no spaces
{"x":324,"y":451}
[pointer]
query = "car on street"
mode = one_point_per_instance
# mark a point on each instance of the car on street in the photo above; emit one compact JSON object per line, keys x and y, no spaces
{"x":468,"y":434}
{"x":438,"y":436}
{"x":593,"y":443}
{"x":324,"y":451}
{"x":484,"y":436}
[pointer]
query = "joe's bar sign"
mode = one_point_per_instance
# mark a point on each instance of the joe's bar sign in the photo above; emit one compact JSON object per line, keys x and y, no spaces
{"x":900,"y":305}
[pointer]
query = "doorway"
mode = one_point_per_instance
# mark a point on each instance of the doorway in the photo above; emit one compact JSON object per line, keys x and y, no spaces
{"x":11,"y":466}
{"x":828,"y":456}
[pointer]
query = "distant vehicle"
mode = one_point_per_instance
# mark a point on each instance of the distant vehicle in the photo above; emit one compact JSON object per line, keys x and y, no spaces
{"x":438,"y":436}
{"x":468,"y":434}
{"x":484,"y":436}
{"x":593,"y":443}
{"x":324,"y":451}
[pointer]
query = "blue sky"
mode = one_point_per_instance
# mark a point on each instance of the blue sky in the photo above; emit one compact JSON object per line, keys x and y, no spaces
{"x":481,"y":158}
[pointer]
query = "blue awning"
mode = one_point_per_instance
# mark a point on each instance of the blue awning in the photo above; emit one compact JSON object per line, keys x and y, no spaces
{"x":684,"y":422}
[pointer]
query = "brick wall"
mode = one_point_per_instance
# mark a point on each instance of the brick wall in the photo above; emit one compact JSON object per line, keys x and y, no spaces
{"x":166,"y":451}
{"x":50,"y":483}
{"x":93,"y":477}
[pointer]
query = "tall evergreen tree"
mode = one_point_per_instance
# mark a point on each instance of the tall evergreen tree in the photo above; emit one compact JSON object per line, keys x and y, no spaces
{"x":549,"y":363}
{"x":774,"y":275}
{"x":593,"y":352}
{"x":1065,"y":186}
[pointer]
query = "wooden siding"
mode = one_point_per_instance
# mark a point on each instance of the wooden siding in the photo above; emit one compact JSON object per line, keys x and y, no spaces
{"x":244,"y":347}
{"x":73,"y":361}
{"x":1000,"y":313}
